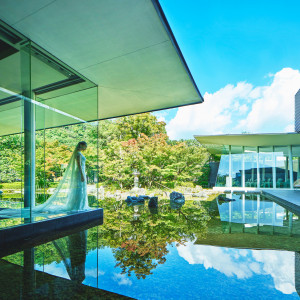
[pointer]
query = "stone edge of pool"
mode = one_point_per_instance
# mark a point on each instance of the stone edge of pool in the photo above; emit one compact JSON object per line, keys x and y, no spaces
{"x":290,"y":199}
{"x":23,"y":233}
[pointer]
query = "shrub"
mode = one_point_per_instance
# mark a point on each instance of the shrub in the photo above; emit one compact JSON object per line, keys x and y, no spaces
{"x":186,"y":184}
{"x":203,"y":180}
{"x":11,"y":186}
{"x":169,"y":184}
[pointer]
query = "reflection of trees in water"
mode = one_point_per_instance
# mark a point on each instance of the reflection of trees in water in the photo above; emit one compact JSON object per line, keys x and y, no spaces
{"x":140,"y":240}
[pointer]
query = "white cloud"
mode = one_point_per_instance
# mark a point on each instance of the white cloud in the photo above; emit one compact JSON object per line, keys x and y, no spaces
{"x":93,"y":273}
{"x":122,"y":279}
{"x":234,"y":109}
{"x":289,"y":128}
{"x":215,"y":257}
{"x":57,"y":269}
{"x":245,"y":263}
{"x":161,"y":115}
{"x":281,"y":266}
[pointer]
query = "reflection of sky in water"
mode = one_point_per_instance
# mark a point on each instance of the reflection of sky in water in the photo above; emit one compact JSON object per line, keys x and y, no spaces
{"x":244,"y":264}
{"x":196,"y":272}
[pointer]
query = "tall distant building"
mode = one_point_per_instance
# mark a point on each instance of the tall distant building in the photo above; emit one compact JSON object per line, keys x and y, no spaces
{"x":297,"y":112}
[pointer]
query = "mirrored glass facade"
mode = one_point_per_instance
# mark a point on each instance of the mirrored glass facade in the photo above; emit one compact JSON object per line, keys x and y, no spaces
{"x":296,"y":162}
{"x":237,"y":166}
{"x":259,"y":167}
{"x":266,"y":158}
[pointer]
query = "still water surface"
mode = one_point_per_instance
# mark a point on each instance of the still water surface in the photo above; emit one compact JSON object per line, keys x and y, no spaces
{"x":219,"y":249}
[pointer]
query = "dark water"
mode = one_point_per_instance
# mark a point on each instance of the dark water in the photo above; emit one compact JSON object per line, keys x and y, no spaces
{"x":220,"y":249}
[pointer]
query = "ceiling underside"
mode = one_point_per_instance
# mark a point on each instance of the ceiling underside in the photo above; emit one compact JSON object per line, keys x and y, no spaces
{"x":124,"y":47}
{"x":217,"y":144}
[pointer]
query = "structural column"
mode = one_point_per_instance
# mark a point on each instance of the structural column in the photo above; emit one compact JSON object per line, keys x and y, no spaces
{"x":243,"y":208}
{"x":230,"y":167}
{"x":29,"y":130}
{"x":258,"y":212}
{"x":274,"y":168}
{"x":243,"y":167}
{"x":29,"y":280}
{"x":257,"y":168}
{"x":291,"y":167}
{"x":29,"y":154}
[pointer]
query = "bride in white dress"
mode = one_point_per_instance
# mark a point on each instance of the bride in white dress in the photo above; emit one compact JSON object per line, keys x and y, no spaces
{"x":70,"y":194}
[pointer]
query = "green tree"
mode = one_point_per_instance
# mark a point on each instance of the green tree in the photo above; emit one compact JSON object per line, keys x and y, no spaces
{"x":131,"y":127}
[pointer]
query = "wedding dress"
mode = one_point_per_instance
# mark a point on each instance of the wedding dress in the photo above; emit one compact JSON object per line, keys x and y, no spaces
{"x":71,"y":193}
{"x":69,"y":196}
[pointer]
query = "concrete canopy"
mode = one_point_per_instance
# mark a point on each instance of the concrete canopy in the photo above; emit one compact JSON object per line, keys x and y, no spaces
{"x":126,"y":48}
{"x":216,"y":144}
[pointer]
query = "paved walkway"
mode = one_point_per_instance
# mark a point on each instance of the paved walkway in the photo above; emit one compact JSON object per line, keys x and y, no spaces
{"x":288,"y":199}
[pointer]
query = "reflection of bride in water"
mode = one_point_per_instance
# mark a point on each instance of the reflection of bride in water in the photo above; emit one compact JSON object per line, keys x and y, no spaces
{"x":71,"y":193}
{"x":72,"y":250}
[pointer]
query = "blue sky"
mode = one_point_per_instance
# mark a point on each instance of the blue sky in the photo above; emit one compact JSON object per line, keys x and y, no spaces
{"x":226,"y":43}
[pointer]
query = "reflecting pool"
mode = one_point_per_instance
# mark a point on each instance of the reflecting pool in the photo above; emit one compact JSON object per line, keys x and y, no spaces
{"x":236,"y":246}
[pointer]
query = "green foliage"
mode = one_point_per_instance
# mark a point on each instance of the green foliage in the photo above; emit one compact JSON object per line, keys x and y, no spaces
{"x":123,"y":145}
{"x":131,"y":127}
{"x":203,"y":180}
{"x":140,"y":240}
{"x":11,"y":185}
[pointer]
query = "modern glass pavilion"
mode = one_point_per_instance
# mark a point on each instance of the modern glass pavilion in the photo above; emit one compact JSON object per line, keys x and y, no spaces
{"x":255,"y":160}
{"x":77,"y":62}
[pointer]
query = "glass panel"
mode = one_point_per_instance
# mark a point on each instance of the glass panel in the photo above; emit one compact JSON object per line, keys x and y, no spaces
{"x":250,"y":157}
{"x":265,"y":167}
{"x":66,"y":176}
{"x":11,"y":170}
{"x":237,"y":165}
{"x":14,"y":81}
{"x":282,"y":167}
{"x":223,"y":172}
{"x":47,"y":151}
{"x":296,"y":165}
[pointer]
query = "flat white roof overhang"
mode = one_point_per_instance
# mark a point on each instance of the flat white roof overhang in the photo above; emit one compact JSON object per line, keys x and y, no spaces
{"x":216,"y":143}
{"x":126,"y":48}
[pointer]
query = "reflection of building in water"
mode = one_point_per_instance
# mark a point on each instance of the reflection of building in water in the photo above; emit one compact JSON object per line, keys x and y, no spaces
{"x":255,"y":211}
{"x":252,"y":222}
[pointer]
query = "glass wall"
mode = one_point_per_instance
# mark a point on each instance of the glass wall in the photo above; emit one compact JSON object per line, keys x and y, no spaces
{"x":237,"y":166}
{"x":223,"y":172}
{"x":296,"y":163}
{"x":14,"y":82}
{"x":266,"y":167}
{"x":250,"y":158}
{"x":263,"y":167}
{"x":12,"y":166}
{"x":282,"y":167}
{"x":44,"y":111}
